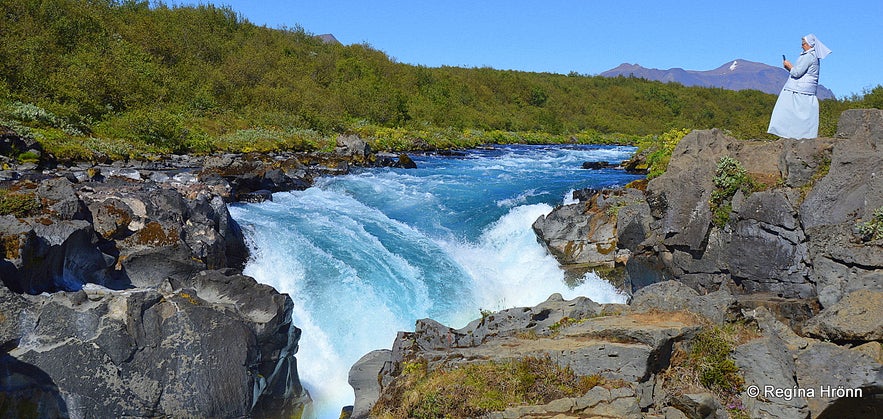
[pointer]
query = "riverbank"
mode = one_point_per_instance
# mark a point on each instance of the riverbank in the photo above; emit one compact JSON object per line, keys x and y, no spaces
{"x":132,"y":271}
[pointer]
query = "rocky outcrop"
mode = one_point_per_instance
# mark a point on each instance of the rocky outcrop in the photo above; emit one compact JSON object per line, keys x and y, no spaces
{"x":850,"y":192}
{"x":854,"y":318}
{"x":585,"y":233}
{"x":641,"y":354}
{"x":122,"y":297}
{"x":611,"y":341}
{"x":794,"y":238}
{"x":118,"y":234}
{"x":779,"y":281}
{"x":221,"y":346}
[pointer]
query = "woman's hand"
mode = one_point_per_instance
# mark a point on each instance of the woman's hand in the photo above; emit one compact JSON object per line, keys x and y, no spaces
{"x":787,"y":65}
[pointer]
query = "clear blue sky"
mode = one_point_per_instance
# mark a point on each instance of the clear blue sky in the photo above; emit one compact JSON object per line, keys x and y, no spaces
{"x":589,"y":37}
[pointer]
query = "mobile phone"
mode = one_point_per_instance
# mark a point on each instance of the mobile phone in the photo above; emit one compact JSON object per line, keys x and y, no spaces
{"x":783,"y":58}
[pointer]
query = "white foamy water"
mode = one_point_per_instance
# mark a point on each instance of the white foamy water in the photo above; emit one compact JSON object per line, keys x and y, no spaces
{"x":365,"y":255}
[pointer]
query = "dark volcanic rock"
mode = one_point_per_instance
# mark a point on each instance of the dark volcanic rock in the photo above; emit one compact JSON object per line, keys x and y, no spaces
{"x":775,"y":241}
{"x":209,"y":350}
{"x":595,"y":165}
{"x":826,"y":366}
{"x":585,"y":233}
{"x":852,"y":319}
{"x":132,"y":277}
{"x":851,"y":191}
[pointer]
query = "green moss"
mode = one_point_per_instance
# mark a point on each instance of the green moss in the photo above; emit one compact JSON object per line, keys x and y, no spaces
{"x":29,"y":157}
{"x":19,"y":204}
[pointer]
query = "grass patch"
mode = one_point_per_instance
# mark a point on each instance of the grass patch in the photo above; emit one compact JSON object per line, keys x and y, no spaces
{"x":19,"y":204}
{"x":556,"y":327}
{"x":476,"y":389}
{"x":704,"y":364}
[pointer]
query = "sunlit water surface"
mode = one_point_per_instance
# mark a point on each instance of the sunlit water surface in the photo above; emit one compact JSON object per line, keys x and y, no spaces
{"x":365,"y":255}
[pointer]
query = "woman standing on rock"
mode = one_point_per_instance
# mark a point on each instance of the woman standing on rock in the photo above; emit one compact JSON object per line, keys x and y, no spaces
{"x":796,"y":114}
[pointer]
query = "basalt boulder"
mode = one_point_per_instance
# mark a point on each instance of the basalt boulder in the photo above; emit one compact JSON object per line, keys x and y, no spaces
{"x":794,"y":234}
{"x":212,"y":349}
{"x":586,"y":233}
{"x":134,"y":279}
{"x":116,"y":233}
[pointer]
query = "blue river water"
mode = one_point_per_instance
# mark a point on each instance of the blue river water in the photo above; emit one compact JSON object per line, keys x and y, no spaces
{"x":367,"y":254}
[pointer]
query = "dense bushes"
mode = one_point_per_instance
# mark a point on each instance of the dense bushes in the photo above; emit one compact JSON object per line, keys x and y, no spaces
{"x":173,"y":79}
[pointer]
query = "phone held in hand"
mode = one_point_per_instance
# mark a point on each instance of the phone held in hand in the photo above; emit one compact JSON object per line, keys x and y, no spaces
{"x":783,"y":58}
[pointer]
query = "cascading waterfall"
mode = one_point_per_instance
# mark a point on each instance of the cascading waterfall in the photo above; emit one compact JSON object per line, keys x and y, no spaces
{"x":367,"y":254}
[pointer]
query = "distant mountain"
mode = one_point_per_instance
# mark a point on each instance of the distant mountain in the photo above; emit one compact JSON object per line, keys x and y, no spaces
{"x":328,"y":39}
{"x":733,"y":75}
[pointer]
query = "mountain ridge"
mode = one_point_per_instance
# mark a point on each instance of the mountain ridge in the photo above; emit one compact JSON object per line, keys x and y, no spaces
{"x":738,"y":74}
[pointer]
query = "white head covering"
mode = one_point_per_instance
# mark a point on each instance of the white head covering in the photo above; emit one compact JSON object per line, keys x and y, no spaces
{"x":821,"y":50}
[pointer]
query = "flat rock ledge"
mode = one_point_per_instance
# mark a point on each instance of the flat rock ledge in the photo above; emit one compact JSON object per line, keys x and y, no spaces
{"x":637,"y":349}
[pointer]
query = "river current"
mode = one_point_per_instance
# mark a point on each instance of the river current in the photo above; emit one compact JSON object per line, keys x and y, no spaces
{"x":366,"y":254}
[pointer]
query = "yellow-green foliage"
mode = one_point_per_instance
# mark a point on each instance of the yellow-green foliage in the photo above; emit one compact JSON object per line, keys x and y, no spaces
{"x":658,"y":149}
{"x":19,"y":204}
{"x":705,"y":363}
{"x":476,"y":389}
{"x":873,"y":228}
{"x":179,"y":78}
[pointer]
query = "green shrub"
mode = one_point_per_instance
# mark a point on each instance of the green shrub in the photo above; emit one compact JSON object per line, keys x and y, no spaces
{"x":729,"y":178}
{"x":268,"y":140}
{"x":29,"y":157}
{"x":872,"y":229}
{"x":658,"y":149}
{"x":160,"y":129}
{"x":29,"y":114}
{"x":704,"y":364}
{"x":710,"y":352}
{"x":19,"y":204}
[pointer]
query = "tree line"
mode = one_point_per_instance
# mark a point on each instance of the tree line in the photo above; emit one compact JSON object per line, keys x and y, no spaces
{"x":127,"y":78}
